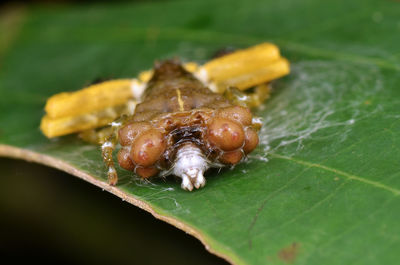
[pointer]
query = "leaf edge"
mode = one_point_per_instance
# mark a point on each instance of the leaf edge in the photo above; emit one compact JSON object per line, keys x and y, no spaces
{"x":209,"y":243}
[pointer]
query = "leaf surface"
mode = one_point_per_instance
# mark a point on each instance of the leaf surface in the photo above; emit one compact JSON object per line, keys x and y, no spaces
{"x":322,"y":188}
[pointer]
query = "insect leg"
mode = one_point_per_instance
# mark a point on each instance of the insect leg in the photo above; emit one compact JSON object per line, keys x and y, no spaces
{"x":250,"y":100}
{"x":107,"y":149}
{"x":260,"y":94}
{"x":94,"y":136}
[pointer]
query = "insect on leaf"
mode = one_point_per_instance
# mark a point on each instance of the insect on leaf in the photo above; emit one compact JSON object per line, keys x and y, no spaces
{"x":322,"y":187}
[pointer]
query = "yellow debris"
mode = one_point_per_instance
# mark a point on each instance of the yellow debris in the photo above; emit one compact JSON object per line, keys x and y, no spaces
{"x":191,"y":67}
{"x":145,"y":76}
{"x":53,"y":127}
{"x":253,"y":76}
{"x":242,"y":63}
{"x":93,"y":98}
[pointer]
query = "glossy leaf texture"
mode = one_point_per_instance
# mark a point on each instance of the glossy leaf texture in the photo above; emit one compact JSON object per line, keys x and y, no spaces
{"x":322,"y":188}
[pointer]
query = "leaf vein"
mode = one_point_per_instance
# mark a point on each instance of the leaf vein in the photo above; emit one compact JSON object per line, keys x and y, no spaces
{"x":373,"y":183}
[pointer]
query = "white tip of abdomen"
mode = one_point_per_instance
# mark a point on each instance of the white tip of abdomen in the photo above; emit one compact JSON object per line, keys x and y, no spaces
{"x":190,"y":165}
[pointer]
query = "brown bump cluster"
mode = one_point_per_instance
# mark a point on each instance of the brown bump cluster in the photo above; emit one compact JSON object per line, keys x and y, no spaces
{"x":225,"y":135}
{"x":142,"y":147}
{"x":231,"y":132}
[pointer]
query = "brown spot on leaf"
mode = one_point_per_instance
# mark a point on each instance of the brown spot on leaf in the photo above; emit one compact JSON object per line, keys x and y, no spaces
{"x":288,"y":254}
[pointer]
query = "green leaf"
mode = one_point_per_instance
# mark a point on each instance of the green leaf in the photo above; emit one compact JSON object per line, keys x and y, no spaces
{"x":322,"y":188}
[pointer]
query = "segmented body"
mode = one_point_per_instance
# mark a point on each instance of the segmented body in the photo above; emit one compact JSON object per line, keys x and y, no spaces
{"x":181,"y":128}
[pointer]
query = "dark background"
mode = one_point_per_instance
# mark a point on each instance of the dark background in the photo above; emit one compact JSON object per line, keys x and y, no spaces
{"x":49,"y":216}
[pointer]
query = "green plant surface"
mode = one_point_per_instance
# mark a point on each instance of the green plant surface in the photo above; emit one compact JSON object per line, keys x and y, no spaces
{"x":322,"y":187}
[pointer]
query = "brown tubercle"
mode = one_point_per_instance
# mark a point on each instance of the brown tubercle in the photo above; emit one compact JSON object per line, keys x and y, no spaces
{"x":225,"y":134}
{"x":237,"y":113}
{"x":124,"y":159}
{"x":251,"y":140}
{"x":146,"y":172}
{"x":232,"y":157}
{"x":127,"y":133}
{"x":147,"y":148}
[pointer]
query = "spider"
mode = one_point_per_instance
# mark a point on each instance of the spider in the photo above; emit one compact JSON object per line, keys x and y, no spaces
{"x":177,"y":119}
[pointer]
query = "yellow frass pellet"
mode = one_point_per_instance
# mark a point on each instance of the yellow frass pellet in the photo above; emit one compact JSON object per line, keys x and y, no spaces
{"x":93,"y":98}
{"x":241,"y":62}
{"x":53,"y":127}
{"x":191,"y":66}
{"x":145,"y":76}
{"x":259,"y":75}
